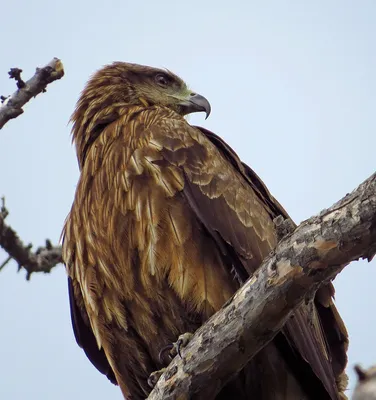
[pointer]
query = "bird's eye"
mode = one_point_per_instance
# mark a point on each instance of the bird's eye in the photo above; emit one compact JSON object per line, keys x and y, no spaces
{"x":161,"y":80}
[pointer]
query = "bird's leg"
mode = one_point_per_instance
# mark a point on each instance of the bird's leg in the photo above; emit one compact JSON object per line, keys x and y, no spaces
{"x":284,"y":226}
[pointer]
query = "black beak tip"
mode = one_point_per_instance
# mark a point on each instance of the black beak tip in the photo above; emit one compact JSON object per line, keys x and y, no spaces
{"x":207,"y":111}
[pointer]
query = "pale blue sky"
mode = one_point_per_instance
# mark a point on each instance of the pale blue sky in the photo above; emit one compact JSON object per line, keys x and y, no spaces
{"x":292,"y":86}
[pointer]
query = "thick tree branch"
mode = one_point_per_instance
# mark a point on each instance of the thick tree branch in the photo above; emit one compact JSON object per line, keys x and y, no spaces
{"x":12,"y":105}
{"x":42,"y":260}
{"x":314,"y":253}
{"x":366,"y":387}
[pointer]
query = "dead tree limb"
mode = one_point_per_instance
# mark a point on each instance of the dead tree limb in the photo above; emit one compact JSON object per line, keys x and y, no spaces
{"x":313,"y":254}
{"x":11,"y":106}
{"x":42,"y":260}
{"x":366,"y":387}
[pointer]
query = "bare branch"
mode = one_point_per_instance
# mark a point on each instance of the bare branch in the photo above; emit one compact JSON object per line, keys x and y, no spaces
{"x":313,"y":254}
{"x":42,"y":260}
{"x":366,"y":387}
{"x":12,"y":105}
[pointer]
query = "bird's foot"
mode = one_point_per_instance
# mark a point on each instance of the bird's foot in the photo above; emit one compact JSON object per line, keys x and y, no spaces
{"x":154,"y":377}
{"x":182,"y":342}
{"x":284,"y":226}
{"x":175,"y":348}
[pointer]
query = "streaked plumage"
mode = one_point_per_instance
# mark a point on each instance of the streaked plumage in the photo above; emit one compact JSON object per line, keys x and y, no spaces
{"x":164,"y":218}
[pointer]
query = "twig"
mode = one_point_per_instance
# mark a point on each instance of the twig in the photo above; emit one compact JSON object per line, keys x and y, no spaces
{"x":11,"y":106}
{"x":42,"y":260}
{"x":5,"y":262}
{"x":15,"y":73}
{"x":313,"y":254}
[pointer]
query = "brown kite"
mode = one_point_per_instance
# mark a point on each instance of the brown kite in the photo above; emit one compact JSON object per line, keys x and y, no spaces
{"x":166,"y":224}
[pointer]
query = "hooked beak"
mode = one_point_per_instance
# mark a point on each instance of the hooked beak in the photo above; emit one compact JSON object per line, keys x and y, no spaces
{"x":195,"y":103}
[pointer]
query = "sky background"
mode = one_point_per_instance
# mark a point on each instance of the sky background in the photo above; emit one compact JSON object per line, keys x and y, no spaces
{"x":292,"y":86}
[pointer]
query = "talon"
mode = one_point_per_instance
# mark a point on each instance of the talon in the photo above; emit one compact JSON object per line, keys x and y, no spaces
{"x":179,"y":344}
{"x":154,"y":377}
{"x":169,"y":347}
{"x":182,"y":342}
{"x":175,"y":348}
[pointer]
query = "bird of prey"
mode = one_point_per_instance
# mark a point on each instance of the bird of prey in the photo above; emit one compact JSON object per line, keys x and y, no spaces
{"x":166,"y":224}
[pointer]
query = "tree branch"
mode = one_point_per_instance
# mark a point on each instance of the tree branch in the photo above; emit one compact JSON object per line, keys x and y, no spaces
{"x":366,"y":387}
{"x":12,"y":105}
{"x":42,"y":260}
{"x":313,"y":254}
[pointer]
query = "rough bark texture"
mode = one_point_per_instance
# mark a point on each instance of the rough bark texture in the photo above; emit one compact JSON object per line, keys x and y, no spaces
{"x":12,"y":105}
{"x":314,"y":253}
{"x":42,"y":260}
{"x":366,"y":387}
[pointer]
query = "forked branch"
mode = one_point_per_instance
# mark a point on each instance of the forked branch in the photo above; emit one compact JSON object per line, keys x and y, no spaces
{"x":42,"y":260}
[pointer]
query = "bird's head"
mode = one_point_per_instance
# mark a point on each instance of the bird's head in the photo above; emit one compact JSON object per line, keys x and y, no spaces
{"x":122,"y":85}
